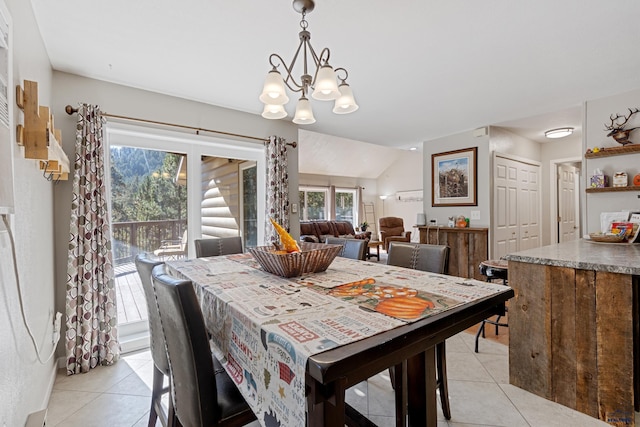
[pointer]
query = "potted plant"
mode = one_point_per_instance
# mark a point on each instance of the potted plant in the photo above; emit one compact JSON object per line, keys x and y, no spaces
{"x":364,"y":226}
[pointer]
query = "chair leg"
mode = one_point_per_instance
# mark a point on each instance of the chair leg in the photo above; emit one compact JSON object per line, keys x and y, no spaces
{"x":156,"y":398}
{"x":497,"y":323}
{"x":441,"y":369}
{"x":392,"y":377}
{"x":480,"y":331}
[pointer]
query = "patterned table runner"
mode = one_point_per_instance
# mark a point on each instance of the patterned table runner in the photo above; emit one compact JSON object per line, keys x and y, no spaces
{"x":265,"y":327}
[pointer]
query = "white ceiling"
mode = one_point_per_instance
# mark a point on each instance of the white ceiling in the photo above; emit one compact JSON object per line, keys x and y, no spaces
{"x":420,"y":69}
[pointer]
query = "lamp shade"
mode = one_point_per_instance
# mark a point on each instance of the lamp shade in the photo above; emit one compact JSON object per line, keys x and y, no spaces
{"x":273,"y":92}
{"x":274,"y":111}
{"x":304,"y":114}
{"x":326,"y":87}
{"x":346,"y":103}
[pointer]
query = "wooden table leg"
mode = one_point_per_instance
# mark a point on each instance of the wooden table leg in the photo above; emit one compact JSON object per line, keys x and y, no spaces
{"x":325,"y":403}
{"x":421,"y":385}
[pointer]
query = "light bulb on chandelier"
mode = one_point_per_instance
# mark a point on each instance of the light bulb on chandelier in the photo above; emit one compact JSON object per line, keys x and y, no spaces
{"x":323,"y":82}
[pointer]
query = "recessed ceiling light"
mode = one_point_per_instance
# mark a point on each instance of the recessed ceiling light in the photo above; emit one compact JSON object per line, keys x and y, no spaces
{"x":558,"y":133}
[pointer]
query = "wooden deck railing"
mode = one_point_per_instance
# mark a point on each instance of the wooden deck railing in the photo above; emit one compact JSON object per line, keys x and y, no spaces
{"x":131,"y":238}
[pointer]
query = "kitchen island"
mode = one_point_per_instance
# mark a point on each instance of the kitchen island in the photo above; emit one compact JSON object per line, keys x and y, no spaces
{"x":574,"y":326}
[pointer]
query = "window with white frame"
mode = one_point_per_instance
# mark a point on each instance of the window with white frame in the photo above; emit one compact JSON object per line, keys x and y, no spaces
{"x":313,"y":203}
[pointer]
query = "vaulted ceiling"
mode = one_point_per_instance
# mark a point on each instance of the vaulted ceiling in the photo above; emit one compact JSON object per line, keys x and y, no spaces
{"x":419,"y":69}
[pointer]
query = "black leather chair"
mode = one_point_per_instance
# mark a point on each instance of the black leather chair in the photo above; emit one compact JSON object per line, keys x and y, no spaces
{"x":144,"y":265}
{"x":218,"y":246}
{"x":351,"y":248}
{"x":434,"y":259}
{"x":203,"y":394}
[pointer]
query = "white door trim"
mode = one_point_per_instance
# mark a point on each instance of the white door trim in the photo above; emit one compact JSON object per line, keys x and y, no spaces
{"x":553,"y":195}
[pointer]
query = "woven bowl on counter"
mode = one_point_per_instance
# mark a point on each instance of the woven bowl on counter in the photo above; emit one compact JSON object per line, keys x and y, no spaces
{"x":314,"y":258}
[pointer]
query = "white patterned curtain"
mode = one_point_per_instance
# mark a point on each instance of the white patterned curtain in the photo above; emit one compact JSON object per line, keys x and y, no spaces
{"x":91,"y":314}
{"x":277,"y":187}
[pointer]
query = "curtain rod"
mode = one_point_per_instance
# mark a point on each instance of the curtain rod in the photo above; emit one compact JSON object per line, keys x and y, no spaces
{"x":70,"y":110}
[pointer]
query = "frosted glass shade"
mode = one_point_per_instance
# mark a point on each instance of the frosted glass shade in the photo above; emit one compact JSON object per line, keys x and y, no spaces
{"x":273,"y":92}
{"x":346,"y":103}
{"x":326,"y":87}
{"x":274,"y":112}
{"x":304,"y":114}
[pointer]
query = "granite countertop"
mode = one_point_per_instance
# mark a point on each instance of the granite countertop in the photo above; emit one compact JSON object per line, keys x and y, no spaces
{"x":584,"y":255}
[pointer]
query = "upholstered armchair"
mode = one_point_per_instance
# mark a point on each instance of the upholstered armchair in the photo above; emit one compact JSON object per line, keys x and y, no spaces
{"x":392,"y":230}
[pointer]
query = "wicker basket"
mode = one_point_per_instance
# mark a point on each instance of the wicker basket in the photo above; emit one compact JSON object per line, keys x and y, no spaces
{"x":315,"y":257}
{"x":607,"y":238}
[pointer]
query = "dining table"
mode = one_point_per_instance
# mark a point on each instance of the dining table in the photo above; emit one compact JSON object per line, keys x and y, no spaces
{"x":293,"y":346}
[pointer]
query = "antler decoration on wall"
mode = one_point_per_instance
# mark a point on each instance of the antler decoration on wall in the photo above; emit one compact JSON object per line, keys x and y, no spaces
{"x":617,"y":130}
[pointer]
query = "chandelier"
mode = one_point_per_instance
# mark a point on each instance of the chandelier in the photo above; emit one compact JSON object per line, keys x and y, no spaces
{"x":323,"y":80}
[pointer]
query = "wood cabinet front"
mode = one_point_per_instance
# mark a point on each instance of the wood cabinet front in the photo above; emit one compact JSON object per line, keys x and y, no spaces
{"x":468,"y":248}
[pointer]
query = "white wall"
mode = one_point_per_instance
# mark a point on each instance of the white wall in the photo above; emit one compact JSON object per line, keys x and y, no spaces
{"x":126,"y":101}
{"x":405,"y":174}
{"x":458,"y":142}
{"x":24,"y":382}
{"x":597,"y":115}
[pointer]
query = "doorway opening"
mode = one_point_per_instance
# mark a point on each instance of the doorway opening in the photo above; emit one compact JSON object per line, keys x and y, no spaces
{"x":565,"y":207}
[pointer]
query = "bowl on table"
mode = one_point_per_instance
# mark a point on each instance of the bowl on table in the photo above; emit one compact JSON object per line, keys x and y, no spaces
{"x":312,"y":258}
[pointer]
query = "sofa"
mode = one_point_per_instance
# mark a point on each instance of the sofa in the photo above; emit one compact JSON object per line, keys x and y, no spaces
{"x":318,"y":231}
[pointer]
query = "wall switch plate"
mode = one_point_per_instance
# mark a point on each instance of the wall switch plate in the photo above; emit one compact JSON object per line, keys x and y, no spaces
{"x":294,"y":208}
{"x":475,"y":215}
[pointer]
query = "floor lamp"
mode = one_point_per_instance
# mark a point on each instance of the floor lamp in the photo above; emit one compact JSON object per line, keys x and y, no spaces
{"x":383,"y":198}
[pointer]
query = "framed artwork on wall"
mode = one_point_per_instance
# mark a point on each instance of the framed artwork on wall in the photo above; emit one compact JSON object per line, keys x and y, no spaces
{"x":454,"y":178}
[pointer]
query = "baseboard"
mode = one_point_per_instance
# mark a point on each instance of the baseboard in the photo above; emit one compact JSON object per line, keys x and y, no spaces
{"x":36,"y":419}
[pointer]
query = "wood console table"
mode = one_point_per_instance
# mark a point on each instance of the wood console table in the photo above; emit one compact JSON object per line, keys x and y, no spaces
{"x":574,"y":327}
{"x":469,"y":247}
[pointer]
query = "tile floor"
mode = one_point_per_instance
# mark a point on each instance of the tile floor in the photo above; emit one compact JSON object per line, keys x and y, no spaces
{"x":480,"y":394}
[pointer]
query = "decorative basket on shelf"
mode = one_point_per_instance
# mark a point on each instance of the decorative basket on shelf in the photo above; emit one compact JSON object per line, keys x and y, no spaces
{"x":607,"y":238}
{"x":313,"y":258}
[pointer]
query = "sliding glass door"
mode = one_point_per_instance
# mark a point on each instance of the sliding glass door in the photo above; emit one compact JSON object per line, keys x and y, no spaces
{"x":167,"y":189}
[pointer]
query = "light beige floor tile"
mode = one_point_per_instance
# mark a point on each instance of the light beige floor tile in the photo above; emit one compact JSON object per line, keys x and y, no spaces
{"x":63,"y":403}
{"x":540,"y":412}
{"x":466,"y":367}
{"x":358,"y":397}
{"x":455,"y":344}
{"x":497,"y":365}
{"x":485,"y":346}
{"x":96,"y":380}
{"x":482,"y":403}
{"x":108,"y":410}
{"x":133,"y":384}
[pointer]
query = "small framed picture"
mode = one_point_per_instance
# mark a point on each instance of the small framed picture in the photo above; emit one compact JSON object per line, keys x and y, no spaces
{"x":454,"y":178}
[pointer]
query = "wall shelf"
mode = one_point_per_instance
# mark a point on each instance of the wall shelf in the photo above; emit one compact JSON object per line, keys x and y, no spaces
{"x":612,"y":189}
{"x":38,"y":135}
{"x":615,"y":151}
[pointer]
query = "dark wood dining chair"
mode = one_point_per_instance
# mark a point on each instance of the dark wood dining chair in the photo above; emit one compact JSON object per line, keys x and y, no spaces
{"x":144,"y":265}
{"x":434,"y":259}
{"x":351,"y":248}
{"x":218,"y":246}
{"x":202,"y":392}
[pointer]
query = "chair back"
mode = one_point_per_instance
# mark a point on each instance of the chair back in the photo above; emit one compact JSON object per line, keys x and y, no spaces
{"x":417,"y":256}
{"x":351,"y":248}
{"x":391,"y":225}
{"x":144,"y":265}
{"x":192,"y":373}
{"x":218,"y":246}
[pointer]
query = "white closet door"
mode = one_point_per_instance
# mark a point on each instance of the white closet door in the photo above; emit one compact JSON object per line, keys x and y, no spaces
{"x":516,"y":205}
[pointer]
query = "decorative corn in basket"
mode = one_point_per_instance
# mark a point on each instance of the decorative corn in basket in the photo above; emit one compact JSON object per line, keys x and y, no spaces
{"x":313,"y":258}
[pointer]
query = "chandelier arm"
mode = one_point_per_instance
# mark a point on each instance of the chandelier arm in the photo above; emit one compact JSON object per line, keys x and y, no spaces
{"x":289,"y":80}
{"x":318,"y":60}
{"x":346,"y":74}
